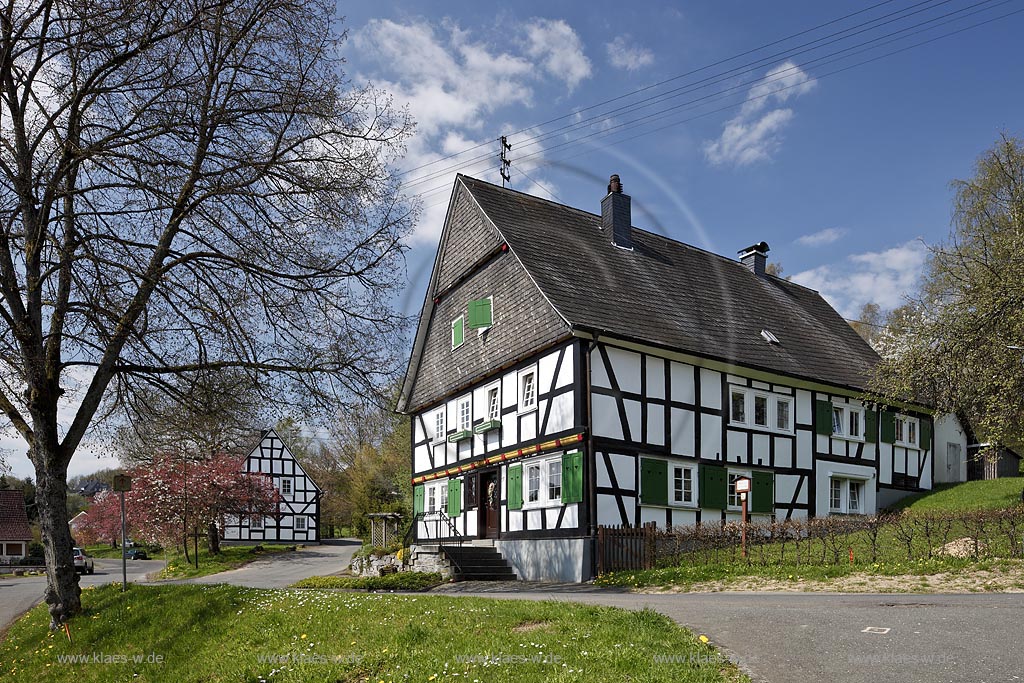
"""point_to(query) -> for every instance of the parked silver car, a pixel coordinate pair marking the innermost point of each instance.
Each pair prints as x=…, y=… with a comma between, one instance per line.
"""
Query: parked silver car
x=83, y=563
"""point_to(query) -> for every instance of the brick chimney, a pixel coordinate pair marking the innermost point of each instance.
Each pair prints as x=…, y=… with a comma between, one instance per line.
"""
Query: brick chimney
x=755, y=257
x=615, y=214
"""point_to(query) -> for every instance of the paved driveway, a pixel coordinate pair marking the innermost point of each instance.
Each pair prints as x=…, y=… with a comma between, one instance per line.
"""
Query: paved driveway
x=283, y=569
x=808, y=637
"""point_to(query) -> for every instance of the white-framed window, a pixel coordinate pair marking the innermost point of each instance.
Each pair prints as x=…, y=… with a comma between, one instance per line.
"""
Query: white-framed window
x=734, y=498
x=458, y=332
x=527, y=390
x=436, y=496
x=286, y=486
x=845, y=496
x=760, y=410
x=543, y=482
x=738, y=406
x=494, y=403
x=256, y=522
x=465, y=412
x=784, y=414
x=848, y=421
x=300, y=523
x=555, y=480
x=439, y=427
x=906, y=430
x=682, y=485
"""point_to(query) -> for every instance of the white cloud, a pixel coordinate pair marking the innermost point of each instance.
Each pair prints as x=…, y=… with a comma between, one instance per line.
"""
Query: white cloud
x=883, y=277
x=559, y=49
x=752, y=136
x=453, y=83
x=822, y=237
x=622, y=55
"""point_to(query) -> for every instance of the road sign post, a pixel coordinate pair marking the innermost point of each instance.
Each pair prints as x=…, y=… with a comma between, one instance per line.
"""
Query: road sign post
x=123, y=483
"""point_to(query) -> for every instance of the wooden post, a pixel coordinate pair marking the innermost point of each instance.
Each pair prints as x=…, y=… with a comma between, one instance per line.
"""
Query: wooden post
x=743, y=526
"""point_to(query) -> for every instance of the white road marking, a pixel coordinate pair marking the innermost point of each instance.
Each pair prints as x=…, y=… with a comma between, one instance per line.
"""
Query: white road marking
x=876, y=629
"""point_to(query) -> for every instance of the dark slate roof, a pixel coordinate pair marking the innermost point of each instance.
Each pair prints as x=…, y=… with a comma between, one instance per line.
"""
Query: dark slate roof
x=671, y=294
x=13, y=518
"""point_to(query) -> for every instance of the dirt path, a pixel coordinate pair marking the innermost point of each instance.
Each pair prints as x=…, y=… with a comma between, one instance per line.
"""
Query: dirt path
x=994, y=580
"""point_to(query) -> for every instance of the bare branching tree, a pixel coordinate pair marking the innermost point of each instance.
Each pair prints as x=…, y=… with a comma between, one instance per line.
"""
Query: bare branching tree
x=185, y=187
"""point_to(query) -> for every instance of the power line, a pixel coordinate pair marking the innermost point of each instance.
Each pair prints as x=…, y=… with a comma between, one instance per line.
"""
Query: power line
x=725, y=93
x=718, y=78
x=660, y=83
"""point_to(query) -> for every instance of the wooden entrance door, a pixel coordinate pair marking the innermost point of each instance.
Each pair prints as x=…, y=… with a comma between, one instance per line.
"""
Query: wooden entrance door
x=489, y=505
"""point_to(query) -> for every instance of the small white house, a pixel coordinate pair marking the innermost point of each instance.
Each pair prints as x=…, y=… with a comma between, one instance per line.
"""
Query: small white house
x=298, y=512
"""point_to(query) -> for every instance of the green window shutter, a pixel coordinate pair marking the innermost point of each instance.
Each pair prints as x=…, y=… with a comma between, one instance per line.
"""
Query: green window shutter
x=454, y=497
x=871, y=425
x=417, y=500
x=458, y=332
x=926, y=434
x=888, y=426
x=762, y=492
x=515, y=487
x=479, y=313
x=572, y=477
x=714, y=487
x=653, y=482
x=823, y=418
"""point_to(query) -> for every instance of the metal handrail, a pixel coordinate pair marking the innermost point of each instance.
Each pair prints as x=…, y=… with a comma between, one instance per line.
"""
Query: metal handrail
x=437, y=518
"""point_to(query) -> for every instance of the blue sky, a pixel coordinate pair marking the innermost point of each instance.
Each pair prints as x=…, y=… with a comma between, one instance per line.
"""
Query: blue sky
x=845, y=175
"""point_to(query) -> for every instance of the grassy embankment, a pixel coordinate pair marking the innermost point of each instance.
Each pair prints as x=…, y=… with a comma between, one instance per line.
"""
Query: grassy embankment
x=225, y=633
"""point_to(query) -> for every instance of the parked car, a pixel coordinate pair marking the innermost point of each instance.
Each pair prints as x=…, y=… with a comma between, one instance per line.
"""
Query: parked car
x=83, y=563
x=137, y=554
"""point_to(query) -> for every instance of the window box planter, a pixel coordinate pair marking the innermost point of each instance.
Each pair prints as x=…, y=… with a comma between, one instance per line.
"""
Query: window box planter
x=460, y=436
x=487, y=426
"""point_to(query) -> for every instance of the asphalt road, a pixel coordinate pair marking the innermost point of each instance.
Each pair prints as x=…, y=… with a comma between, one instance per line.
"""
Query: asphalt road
x=856, y=638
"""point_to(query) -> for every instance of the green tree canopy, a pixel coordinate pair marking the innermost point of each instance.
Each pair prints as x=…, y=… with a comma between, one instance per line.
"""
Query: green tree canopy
x=960, y=344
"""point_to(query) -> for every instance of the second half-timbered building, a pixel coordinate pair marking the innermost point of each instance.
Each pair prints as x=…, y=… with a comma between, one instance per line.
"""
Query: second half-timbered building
x=570, y=370
x=297, y=518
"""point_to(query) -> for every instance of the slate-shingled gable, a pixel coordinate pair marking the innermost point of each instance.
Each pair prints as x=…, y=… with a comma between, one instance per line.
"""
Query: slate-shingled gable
x=672, y=294
x=13, y=517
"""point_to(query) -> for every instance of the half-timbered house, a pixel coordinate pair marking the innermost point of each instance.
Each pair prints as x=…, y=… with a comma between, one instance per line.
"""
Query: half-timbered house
x=570, y=370
x=297, y=519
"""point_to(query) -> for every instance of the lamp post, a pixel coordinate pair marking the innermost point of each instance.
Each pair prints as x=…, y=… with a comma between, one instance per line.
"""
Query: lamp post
x=743, y=488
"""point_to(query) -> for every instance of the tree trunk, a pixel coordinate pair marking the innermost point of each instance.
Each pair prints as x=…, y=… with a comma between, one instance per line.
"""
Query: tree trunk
x=63, y=594
x=213, y=534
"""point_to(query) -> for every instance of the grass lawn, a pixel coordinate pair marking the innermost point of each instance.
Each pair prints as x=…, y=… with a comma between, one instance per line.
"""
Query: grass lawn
x=226, y=633
x=969, y=495
x=230, y=557
x=399, y=581
x=103, y=551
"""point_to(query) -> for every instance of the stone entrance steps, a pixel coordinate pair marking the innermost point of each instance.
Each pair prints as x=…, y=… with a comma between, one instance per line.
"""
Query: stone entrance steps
x=477, y=562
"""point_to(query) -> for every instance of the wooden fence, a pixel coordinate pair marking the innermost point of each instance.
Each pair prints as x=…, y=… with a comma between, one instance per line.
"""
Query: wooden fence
x=621, y=548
